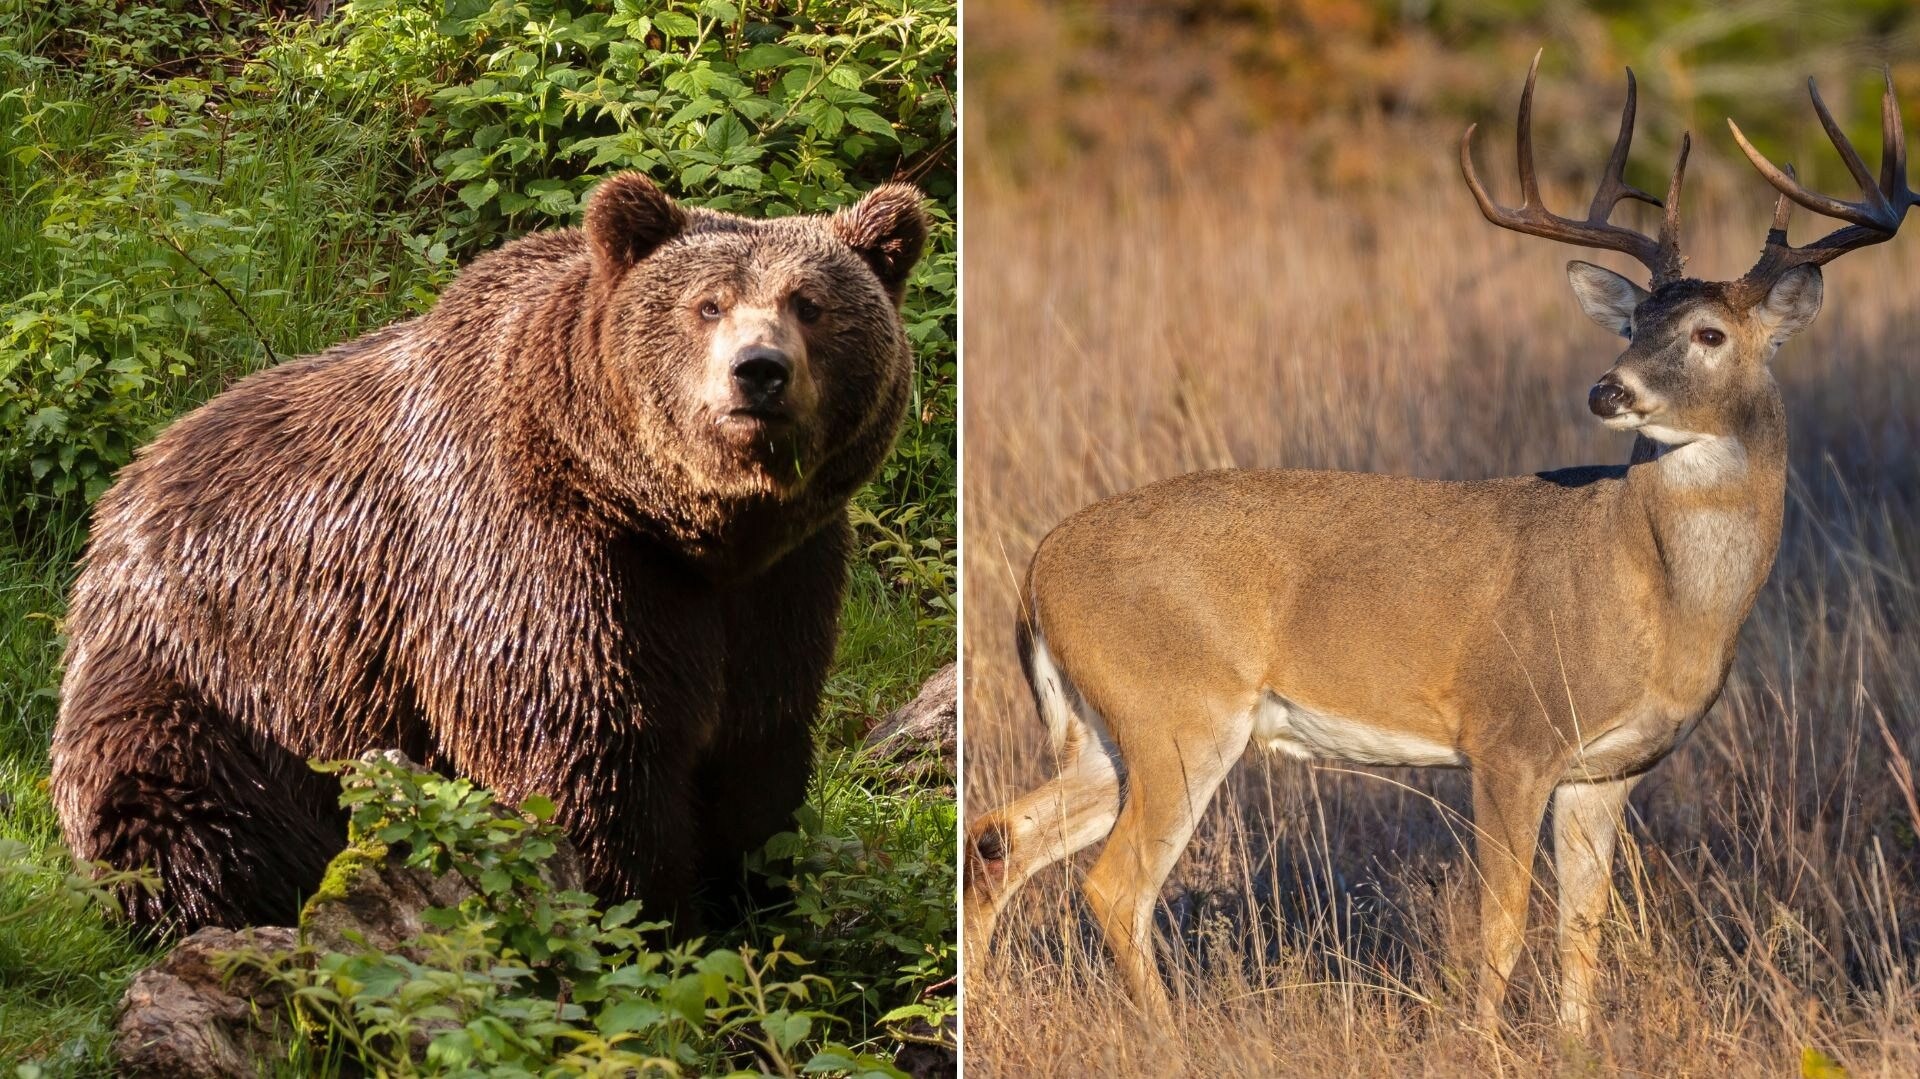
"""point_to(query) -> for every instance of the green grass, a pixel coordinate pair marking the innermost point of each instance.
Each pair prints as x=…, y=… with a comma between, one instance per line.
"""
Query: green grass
x=61, y=965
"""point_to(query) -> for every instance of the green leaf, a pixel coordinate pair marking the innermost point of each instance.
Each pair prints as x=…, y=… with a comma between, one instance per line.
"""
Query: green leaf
x=50, y=420
x=675, y=24
x=727, y=133
x=687, y=999
x=907, y=1011
x=456, y=16
x=762, y=57
x=538, y=806
x=479, y=193
x=620, y=914
x=742, y=176
x=786, y=1030
x=870, y=121
x=628, y=1016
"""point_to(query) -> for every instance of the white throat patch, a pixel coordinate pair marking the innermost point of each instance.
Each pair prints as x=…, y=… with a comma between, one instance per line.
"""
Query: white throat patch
x=1694, y=461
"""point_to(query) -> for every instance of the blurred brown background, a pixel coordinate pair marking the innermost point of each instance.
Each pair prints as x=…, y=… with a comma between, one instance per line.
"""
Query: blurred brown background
x=1235, y=234
x=1352, y=88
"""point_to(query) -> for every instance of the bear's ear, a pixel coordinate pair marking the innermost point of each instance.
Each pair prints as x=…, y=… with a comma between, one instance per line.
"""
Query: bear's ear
x=887, y=228
x=627, y=218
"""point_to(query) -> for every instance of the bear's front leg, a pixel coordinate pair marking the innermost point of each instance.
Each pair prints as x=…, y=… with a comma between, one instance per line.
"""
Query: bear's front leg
x=627, y=802
x=640, y=670
x=782, y=628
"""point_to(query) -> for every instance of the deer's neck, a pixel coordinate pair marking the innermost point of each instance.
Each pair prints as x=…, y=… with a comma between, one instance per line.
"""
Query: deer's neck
x=1715, y=507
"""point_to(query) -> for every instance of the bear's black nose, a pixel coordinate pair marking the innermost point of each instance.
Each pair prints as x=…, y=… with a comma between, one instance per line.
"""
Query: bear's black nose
x=1608, y=398
x=761, y=373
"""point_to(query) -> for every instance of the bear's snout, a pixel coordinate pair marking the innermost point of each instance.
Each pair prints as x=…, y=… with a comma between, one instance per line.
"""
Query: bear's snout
x=761, y=375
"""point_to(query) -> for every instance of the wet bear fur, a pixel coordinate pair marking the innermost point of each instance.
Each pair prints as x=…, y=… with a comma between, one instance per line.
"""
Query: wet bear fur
x=544, y=536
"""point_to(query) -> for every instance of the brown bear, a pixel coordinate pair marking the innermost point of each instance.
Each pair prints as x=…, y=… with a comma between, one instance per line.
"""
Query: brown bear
x=580, y=530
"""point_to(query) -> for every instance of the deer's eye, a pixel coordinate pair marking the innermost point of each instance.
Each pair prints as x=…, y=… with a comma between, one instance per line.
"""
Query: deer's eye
x=1709, y=337
x=709, y=310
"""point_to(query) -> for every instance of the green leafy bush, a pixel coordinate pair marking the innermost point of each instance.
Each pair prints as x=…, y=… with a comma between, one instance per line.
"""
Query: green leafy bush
x=767, y=109
x=164, y=251
x=522, y=978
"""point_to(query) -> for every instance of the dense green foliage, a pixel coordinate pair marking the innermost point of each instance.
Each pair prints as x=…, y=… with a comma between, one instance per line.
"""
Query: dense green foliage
x=193, y=189
x=523, y=977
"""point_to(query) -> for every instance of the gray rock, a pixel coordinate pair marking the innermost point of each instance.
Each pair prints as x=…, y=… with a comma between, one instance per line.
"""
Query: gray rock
x=920, y=735
x=199, y=1014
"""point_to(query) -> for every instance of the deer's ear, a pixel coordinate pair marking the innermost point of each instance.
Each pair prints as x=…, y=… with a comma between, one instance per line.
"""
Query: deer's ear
x=1605, y=296
x=1791, y=303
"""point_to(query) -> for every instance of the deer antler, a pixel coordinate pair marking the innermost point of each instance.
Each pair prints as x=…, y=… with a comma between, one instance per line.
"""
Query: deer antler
x=1661, y=256
x=1875, y=218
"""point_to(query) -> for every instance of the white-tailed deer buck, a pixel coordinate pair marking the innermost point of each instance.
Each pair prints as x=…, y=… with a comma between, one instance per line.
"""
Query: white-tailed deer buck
x=1556, y=634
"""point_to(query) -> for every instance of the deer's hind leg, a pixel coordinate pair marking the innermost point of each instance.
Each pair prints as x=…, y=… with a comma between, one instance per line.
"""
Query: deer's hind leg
x=1068, y=813
x=1175, y=765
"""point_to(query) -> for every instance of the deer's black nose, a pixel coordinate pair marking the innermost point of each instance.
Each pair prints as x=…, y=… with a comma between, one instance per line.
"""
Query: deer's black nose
x=1609, y=398
x=762, y=373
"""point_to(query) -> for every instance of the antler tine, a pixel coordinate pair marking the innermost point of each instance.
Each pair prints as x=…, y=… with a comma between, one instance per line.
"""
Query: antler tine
x=1489, y=209
x=1662, y=256
x=1613, y=184
x=1778, y=256
x=1893, y=149
x=1523, y=140
x=1670, y=221
x=1883, y=203
x=1847, y=153
x=1874, y=219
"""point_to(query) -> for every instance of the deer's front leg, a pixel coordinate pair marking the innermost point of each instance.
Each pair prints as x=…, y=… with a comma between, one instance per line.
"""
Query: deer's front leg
x=1586, y=820
x=1508, y=805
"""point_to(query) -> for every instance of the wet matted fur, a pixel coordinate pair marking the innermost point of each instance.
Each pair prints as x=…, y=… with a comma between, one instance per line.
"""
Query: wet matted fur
x=532, y=537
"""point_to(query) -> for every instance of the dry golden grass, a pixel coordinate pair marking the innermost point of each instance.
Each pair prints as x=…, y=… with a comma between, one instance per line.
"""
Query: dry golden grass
x=1183, y=308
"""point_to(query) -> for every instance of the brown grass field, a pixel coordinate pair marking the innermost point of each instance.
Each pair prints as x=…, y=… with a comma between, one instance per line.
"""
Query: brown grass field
x=1179, y=306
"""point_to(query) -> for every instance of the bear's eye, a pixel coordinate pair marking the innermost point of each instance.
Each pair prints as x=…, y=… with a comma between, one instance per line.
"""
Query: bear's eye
x=806, y=309
x=709, y=310
x=1709, y=336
